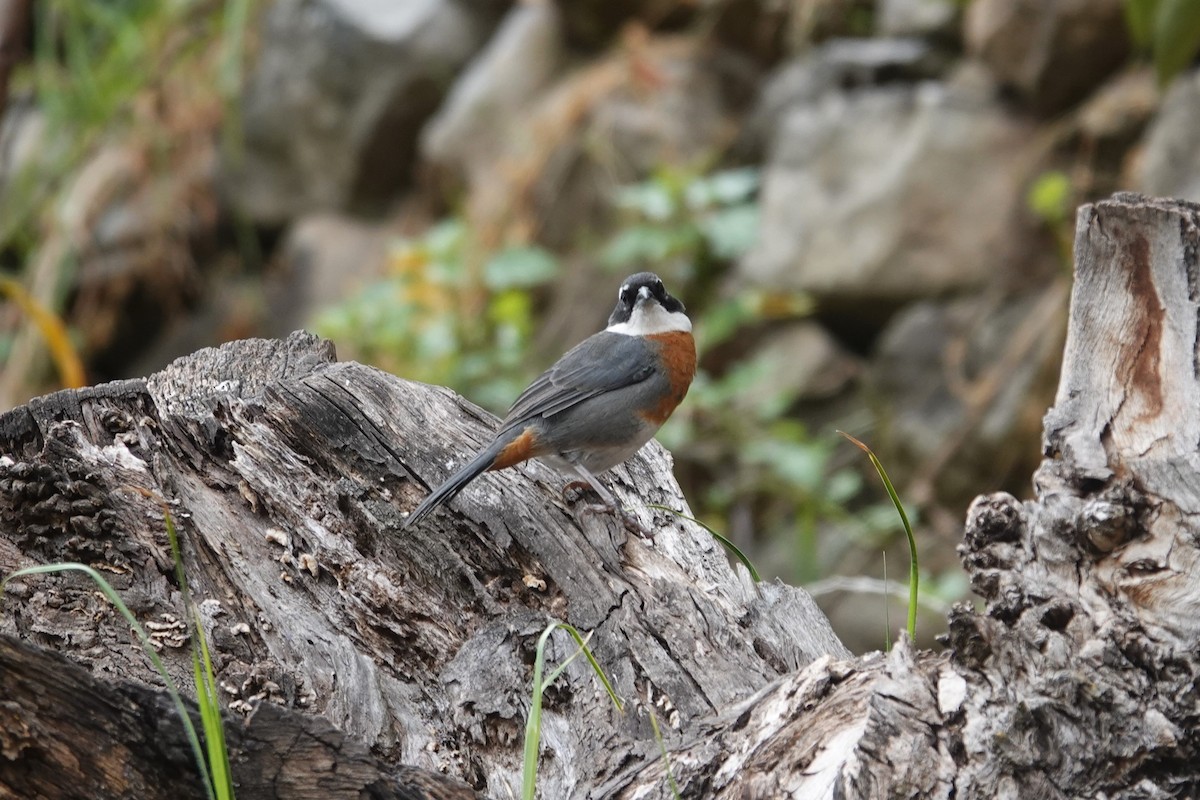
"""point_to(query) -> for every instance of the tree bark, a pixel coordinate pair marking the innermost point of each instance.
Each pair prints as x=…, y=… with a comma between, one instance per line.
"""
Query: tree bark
x=288, y=475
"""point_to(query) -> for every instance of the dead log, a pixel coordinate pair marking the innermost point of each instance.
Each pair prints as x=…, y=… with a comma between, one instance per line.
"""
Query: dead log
x=67, y=734
x=288, y=475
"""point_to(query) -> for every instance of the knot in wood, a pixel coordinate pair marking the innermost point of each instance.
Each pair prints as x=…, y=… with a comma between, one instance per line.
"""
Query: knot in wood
x=992, y=519
x=1107, y=524
x=968, y=636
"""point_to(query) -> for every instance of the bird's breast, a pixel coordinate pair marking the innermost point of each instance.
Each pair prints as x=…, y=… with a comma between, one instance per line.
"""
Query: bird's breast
x=677, y=357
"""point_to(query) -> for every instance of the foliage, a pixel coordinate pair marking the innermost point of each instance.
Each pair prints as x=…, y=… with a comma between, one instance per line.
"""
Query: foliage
x=125, y=71
x=218, y=775
x=767, y=464
x=685, y=224
x=1168, y=29
x=448, y=315
x=89, y=72
x=1052, y=199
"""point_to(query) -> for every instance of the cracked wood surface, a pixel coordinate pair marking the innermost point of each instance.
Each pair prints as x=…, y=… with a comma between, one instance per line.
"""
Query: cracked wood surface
x=1079, y=678
x=289, y=474
x=65, y=734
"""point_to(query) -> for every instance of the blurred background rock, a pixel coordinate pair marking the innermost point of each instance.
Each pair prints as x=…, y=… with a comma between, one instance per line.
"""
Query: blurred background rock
x=866, y=204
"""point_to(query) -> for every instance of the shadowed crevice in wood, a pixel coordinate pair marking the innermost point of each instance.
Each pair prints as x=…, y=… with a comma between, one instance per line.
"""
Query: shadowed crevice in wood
x=289, y=476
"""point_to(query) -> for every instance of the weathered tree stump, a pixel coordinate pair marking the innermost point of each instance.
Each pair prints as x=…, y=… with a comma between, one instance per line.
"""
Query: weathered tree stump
x=288, y=475
x=348, y=647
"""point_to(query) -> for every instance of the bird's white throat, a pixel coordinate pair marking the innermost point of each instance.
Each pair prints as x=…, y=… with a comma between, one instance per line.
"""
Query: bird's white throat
x=651, y=318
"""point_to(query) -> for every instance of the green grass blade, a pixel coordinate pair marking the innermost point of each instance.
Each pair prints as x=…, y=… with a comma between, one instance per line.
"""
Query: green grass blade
x=210, y=713
x=561, y=668
x=725, y=542
x=533, y=725
x=913, y=575
x=114, y=598
x=205, y=678
x=582, y=642
x=662, y=746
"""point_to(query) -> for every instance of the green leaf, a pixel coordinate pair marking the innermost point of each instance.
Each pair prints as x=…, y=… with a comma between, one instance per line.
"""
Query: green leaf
x=800, y=464
x=1176, y=37
x=731, y=233
x=640, y=243
x=519, y=267
x=1139, y=18
x=1050, y=196
x=512, y=308
x=843, y=486
x=723, y=320
x=734, y=185
x=444, y=242
x=652, y=199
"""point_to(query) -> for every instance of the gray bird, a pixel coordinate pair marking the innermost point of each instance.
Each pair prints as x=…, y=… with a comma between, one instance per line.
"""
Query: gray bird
x=601, y=401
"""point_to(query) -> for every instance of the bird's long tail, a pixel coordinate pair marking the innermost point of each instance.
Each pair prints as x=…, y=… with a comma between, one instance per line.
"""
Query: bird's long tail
x=454, y=484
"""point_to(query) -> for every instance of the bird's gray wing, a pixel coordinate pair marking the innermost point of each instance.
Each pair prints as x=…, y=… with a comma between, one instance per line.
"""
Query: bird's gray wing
x=600, y=363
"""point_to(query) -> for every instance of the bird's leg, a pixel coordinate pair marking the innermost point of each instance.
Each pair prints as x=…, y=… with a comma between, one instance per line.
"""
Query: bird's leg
x=598, y=487
x=610, y=502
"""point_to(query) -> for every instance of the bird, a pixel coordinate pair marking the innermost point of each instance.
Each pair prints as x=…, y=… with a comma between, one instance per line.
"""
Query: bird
x=598, y=404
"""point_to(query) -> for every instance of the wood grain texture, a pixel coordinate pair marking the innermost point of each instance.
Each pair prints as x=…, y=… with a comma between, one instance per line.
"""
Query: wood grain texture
x=65, y=734
x=289, y=475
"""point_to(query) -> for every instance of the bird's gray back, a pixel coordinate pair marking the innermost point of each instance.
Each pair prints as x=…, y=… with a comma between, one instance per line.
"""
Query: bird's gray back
x=602, y=363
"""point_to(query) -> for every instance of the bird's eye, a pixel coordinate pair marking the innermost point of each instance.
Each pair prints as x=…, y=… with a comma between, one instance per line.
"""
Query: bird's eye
x=659, y=286
x=624, y=295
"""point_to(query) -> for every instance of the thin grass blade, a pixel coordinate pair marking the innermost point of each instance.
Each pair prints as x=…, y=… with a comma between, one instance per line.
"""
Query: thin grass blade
x=54, y=333
x=662, y=746
x=533, y=725
x=913, y=575
x=172, y=690
x=720, y=537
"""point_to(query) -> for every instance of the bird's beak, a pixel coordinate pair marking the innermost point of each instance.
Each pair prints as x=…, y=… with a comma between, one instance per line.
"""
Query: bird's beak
x=644, y=293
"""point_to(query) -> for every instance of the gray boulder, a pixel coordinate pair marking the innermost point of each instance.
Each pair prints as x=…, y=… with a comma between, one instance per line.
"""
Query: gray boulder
x=961, y=384
x=324, y=259
x=490, y=101
x=334, y=105
x=889, y=194
x=1052, y=52
x=1170, y=161
x=916, y=17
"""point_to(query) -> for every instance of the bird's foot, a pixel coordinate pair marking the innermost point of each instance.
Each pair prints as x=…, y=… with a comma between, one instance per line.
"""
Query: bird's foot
x=575, y=491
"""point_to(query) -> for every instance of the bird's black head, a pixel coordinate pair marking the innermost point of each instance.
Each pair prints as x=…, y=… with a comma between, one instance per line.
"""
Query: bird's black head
x=642, y=288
